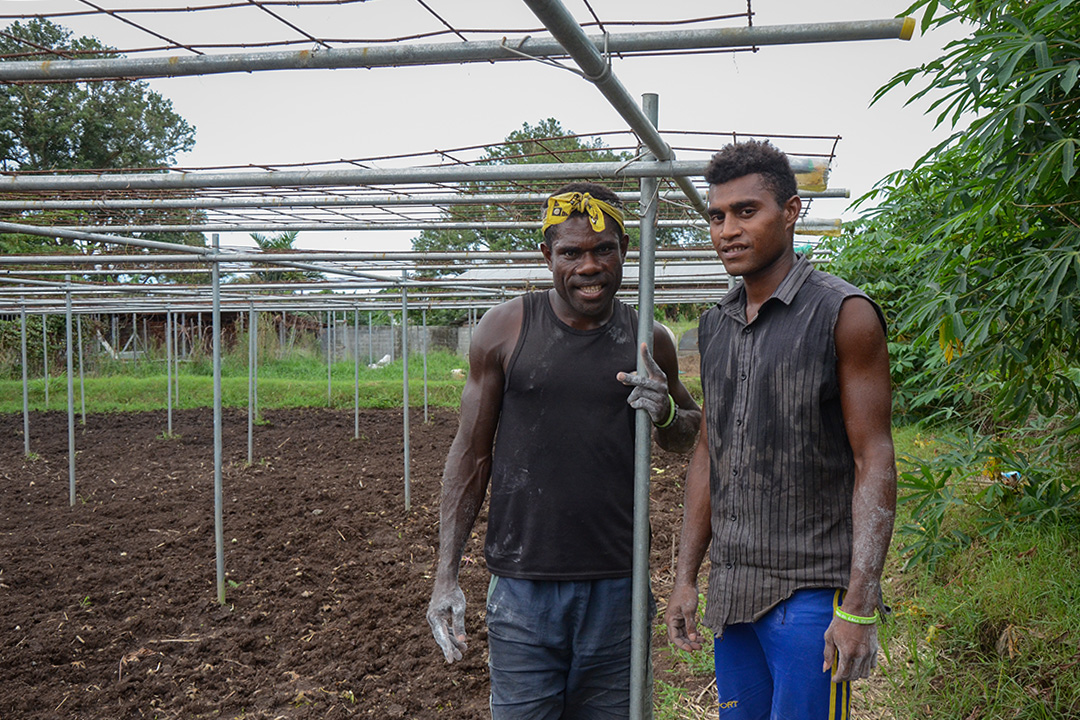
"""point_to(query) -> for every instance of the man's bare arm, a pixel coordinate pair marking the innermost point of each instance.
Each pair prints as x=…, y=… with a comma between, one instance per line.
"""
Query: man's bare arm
x=866, y=399
x=467, y=471
x=694, y=539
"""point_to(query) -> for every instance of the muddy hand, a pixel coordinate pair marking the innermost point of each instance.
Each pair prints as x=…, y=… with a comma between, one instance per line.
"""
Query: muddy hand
x=850, y=650
x=650, y=393
x=681, y=617
x=446, y=616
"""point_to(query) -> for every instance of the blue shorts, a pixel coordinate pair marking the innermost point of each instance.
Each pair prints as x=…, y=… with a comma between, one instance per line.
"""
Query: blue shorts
x=771, y=669
x=559, y=649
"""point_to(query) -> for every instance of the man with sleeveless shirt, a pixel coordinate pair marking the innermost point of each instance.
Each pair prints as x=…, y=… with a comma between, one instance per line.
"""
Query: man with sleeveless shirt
x=547, y=416
x=793, y=480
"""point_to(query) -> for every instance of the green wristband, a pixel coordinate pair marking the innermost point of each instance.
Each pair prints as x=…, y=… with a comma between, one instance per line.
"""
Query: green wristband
x=857, y=619
x=674, y=413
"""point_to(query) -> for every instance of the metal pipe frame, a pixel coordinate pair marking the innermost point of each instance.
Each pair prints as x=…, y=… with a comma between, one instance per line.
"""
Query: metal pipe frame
x=806, y=226
x=208, y=203
x=406, y=54
x=376, y=176
x=640, y=691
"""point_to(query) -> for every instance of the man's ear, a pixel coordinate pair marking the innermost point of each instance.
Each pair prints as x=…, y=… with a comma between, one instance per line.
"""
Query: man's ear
x=546, y=250
x=792, y=210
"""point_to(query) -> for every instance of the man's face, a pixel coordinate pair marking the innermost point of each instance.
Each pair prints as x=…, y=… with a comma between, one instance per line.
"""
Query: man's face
x=587, y=269
x=750, y=231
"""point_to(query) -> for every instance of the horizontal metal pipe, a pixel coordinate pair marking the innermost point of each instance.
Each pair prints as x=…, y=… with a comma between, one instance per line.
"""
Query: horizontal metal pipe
x=359, y=201
x=403, y=54
x=374, y=176
x=6, y=227
x=804, y=226
x=320, y=256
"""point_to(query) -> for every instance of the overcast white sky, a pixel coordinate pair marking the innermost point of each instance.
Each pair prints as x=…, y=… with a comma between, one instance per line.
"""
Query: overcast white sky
x=293, y=116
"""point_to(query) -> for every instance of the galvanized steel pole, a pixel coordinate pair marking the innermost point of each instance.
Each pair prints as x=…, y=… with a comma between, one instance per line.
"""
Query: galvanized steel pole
x=45, y=355
x=423, y=317
x=640, y=689
x=168, y=366
x=356, y=373
x=405, y=54
x=70, y=392
x=25, y=384
x=361, y=176
x=329, y=363
x=405, y=383
x=252, y=372
x=176, y=360
x=358, y=201
x=219, y=533
x=82, y=379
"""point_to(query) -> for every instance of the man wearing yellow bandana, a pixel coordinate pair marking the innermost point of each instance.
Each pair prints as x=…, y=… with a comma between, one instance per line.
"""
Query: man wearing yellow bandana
x=547, y=420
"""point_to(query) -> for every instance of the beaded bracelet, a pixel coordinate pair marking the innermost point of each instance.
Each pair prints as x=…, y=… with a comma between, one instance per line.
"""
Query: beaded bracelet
x=671, y=415
x=857, y=619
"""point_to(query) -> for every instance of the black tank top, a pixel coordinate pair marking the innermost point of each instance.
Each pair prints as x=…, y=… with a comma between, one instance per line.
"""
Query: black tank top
x=562, y=478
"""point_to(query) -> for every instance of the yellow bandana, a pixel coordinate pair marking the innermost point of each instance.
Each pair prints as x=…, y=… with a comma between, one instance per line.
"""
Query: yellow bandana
x=560, y=207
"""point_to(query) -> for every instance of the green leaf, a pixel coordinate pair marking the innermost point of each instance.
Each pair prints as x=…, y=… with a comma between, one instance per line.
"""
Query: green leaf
x=1068, y=78
x=1069, y=149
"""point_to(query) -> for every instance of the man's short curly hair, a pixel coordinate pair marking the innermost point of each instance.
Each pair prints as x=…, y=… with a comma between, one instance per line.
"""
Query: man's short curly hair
x=754, y=157
x=598, y=191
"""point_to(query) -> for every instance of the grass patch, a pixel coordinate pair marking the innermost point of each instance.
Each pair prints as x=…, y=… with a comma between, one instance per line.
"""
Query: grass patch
x=988, y=631
x=289, y=383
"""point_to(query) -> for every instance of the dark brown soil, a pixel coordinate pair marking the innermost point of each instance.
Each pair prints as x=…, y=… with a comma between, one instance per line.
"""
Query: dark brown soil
x=109, y=609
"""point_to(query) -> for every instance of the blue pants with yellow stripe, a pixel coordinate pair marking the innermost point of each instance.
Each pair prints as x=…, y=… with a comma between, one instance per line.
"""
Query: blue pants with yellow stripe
x=771, y=669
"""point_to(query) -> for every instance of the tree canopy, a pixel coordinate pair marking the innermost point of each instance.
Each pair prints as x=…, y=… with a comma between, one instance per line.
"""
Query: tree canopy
x=975, y=251
x=82, y=125
x=108, y=125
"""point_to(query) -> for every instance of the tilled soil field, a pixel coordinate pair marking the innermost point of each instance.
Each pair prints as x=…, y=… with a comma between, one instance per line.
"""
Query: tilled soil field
x=109, y=609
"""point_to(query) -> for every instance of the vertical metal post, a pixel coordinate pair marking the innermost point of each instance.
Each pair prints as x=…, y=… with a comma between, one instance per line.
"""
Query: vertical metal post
x=641, y=702
x=45, y=354
x=423, y=315
x=329, y=364
x=146, y=339
x=405, y=381
x=281, y=336
x=135, y=338
x=252, y=371
x=356, y=373
x=370, y=339
x=25, y=384
x=219, y=533
x=176, y=360
x=70, y=391
x=82, y=379
x=168, y=366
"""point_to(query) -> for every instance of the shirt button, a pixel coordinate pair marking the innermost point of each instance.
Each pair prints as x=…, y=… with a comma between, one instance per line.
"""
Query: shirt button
x=747, y=330
x=734, y=472
x=729, y=566
x=734, y=517
x=742, y=376
x=738, y=422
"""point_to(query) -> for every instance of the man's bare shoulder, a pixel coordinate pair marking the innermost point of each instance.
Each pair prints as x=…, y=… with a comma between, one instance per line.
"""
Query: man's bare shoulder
x=497, y=334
